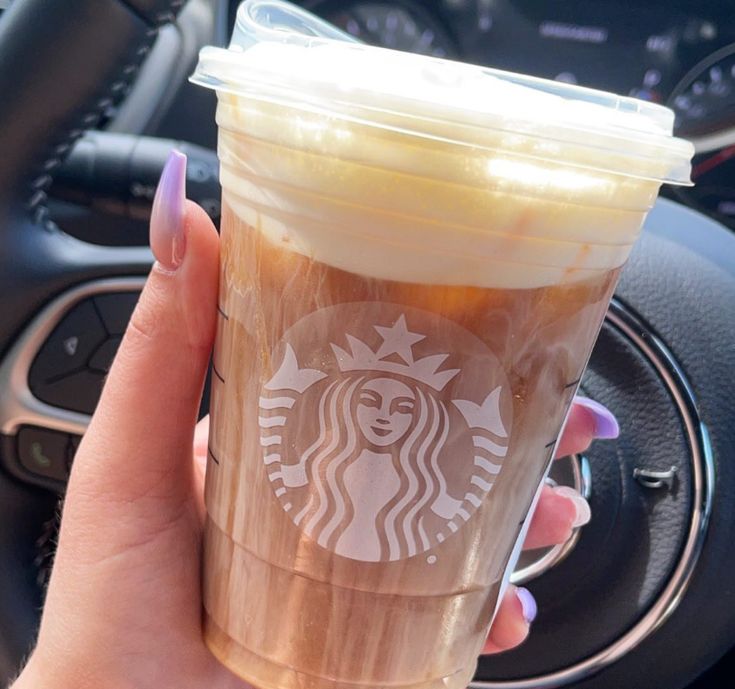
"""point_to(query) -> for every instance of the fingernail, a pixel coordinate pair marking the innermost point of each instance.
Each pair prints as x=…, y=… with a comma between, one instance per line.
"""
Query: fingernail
x=583, y=513
x=168, y=241
x=606, y=425
x=528, y=604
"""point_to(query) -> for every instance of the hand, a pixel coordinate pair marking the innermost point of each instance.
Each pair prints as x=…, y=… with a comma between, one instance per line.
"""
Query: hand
x=123, y=607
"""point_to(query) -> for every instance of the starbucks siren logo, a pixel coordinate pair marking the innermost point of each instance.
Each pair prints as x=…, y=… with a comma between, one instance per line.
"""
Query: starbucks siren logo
x=373, y=448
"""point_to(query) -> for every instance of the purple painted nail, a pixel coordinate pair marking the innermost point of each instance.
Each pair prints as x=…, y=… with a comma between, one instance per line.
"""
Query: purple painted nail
x=168, y=241
x=528, y=604
x=606, y=425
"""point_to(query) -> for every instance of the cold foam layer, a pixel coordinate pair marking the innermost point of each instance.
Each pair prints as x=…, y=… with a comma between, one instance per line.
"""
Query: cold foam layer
x=483, y=200
x=382, y=205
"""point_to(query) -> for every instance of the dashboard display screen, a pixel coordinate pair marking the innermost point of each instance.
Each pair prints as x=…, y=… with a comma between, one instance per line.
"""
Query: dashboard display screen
x=640, y=51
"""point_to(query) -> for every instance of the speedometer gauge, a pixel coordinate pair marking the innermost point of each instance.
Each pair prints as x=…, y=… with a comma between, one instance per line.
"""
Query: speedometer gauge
x=704, y=100
x=704, y=103
x=713, y=192
x=403, y=25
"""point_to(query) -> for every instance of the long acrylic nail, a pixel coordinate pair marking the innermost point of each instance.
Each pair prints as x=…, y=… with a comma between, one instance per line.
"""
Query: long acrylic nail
x=581, y=507
x=528, y=604
x=168, y=240
x=605, y=424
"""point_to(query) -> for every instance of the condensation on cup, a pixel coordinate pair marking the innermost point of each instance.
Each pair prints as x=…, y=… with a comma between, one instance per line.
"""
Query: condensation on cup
x=417, y=256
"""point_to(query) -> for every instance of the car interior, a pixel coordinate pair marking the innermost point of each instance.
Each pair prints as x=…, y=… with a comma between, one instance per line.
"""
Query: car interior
x=94, y=94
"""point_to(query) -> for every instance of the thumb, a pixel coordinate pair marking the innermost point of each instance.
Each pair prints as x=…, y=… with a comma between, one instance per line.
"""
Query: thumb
x=140, y=438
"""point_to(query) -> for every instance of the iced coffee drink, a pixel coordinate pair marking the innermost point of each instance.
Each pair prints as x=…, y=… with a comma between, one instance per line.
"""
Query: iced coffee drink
x=417, y=256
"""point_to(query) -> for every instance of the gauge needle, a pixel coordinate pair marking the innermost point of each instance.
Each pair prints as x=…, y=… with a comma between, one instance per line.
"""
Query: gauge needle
x=713, y=161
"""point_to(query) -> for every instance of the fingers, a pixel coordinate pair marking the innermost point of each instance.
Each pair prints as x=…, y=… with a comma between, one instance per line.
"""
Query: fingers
x=512, y=622
x=559, y=511
x=562, y=509
x=140, y=438
x=587, y=421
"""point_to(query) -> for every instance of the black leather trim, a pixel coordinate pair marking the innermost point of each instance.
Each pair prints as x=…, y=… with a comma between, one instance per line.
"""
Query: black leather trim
x=63, y=62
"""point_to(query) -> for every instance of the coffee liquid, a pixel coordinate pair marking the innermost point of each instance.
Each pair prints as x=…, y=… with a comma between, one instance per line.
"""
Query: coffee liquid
x=375, y=447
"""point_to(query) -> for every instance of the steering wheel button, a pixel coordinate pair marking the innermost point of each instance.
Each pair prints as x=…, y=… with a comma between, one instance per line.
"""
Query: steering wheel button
x=104, y=354
x=116, y=309
x=44, y=452
x=69, y=346
x=77, y=391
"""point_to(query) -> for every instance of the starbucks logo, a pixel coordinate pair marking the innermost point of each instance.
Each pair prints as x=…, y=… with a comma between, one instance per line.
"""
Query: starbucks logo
x=383, y=428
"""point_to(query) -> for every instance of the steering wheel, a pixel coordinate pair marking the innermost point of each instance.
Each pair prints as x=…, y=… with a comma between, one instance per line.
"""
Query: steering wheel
x=643, y=589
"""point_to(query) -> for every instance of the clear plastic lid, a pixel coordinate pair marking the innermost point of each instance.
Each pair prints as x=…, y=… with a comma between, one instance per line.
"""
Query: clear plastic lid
x=281, y=53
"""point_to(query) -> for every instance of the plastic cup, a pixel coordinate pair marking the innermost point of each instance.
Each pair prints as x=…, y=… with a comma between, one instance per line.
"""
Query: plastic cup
x=417, y=256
